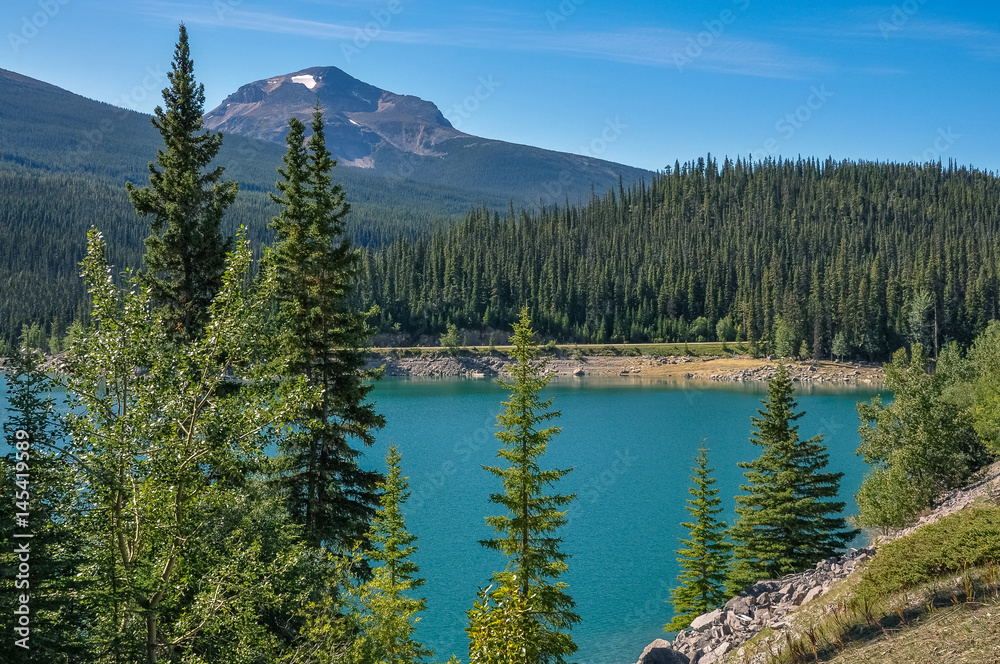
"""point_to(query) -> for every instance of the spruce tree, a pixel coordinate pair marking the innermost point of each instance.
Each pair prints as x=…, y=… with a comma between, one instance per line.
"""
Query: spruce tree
x=185, y=201
x=388, y=611
x=786, y=521
x=526, y=531
x=705, y=556
x=323, y=336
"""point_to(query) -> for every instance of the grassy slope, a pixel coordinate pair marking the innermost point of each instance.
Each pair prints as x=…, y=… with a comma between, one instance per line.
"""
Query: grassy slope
x=932, y=596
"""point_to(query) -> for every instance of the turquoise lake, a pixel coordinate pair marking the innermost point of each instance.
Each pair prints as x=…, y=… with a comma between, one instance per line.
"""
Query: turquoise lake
x=631, y=443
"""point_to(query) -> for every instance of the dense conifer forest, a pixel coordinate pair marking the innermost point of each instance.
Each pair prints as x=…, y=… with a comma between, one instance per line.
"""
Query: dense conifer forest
x=851, y=258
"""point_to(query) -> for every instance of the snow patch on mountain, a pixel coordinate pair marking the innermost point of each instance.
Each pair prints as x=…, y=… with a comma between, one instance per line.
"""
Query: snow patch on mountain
x=306, y=80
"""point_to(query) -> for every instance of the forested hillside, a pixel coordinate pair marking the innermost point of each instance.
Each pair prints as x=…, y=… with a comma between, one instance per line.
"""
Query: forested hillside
x=64, y=161
x=849, y=258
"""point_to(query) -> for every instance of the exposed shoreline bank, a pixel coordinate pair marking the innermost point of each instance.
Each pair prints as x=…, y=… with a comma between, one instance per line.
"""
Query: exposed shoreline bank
x=728, y=368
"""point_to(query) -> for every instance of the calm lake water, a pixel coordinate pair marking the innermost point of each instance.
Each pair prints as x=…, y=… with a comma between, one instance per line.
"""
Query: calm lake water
x=631, y=444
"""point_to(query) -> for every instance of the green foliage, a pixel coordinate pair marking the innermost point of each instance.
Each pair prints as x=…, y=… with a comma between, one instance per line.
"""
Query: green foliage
x=38, y=483
x=527, y=529
x=184, y=551
x=322, y=335
x=985, y=358
x=840, y=348
x=783, y=341
x=502, y=626
x=185, y=201
x=921, y=444
x=918, y=319
x=707, y=241
x=54, y=343
x=969, y=538
x=705, y=556
x=73, y=334
x=887, y=499
x=700, y=330
x=785, y=522
x=33, y=337
x=387, y=612
x=725, y=330
x=803, y=350
x=450, y=339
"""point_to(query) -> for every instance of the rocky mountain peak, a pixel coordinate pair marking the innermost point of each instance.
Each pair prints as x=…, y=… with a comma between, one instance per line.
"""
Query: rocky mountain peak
x=360, y=118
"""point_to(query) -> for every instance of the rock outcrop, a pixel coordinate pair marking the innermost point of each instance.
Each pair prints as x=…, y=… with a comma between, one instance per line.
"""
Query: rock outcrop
x=442, y=365
x=769, y=603
x=805, y=373
x=764, y=604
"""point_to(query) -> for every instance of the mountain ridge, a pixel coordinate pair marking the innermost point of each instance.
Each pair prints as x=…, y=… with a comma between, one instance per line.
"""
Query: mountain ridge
x=406, y=136
x=358, y=116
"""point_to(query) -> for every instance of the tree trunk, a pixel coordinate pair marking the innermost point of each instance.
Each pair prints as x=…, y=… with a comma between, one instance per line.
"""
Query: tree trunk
x=151, y=636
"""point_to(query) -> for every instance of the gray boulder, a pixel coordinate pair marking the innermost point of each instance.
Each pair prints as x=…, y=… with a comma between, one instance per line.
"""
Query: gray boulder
x=660, y=652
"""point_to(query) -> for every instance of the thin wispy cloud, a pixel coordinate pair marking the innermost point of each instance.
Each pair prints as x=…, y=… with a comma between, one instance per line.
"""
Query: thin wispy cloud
x=975, y=39
x=654, y=47
x=684, y=50
x=891, y=24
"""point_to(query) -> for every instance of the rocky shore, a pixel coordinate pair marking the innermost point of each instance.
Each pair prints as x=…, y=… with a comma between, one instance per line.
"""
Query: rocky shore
x=769, y=604
x=721, y=369
x=766, y=604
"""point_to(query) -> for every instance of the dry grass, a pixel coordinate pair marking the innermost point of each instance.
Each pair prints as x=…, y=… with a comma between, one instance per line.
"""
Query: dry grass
x=967, y=632
x=936, y=623
x=948, y=617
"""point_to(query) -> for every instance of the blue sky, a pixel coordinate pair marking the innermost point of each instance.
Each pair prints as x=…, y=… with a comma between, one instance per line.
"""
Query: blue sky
x=643, y=83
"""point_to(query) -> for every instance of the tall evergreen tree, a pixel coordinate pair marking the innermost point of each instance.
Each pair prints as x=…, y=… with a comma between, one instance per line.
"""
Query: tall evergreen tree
x=388, y=611
x=705, y=556
x=786, y=522
x=323, y=335
x=185, y=200
x=526, y=532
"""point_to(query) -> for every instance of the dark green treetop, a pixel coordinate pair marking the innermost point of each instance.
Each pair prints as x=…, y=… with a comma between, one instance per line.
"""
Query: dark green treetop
x=526, y=533
x=185, y=201
x=322, y=335
x=786, y=521
x=389, y=612
x=705, y=556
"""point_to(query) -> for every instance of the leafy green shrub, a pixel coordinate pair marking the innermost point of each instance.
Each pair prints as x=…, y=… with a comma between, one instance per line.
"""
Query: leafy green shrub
x=969, y=538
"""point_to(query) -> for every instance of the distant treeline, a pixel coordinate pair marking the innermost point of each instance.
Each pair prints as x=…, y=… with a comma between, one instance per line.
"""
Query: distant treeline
x=855, y=258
